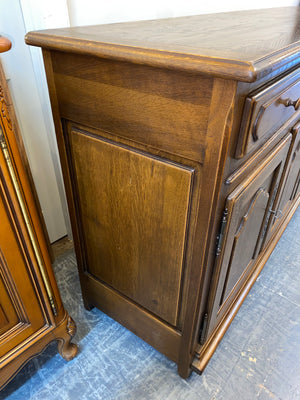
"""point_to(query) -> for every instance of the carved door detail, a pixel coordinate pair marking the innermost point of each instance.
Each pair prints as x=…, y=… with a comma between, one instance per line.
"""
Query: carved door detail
x=290, y=188
x=248, y=209
x=245, y=239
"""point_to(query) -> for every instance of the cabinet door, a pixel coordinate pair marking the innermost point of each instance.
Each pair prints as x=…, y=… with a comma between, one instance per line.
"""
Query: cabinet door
x=291, y=183
x=21, y=315
x=245, y=218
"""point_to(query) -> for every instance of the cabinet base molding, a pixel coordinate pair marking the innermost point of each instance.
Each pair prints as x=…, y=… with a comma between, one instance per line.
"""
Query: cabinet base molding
x=63, y=333
x=67, y=349
x=159, y=335
x=204, y=354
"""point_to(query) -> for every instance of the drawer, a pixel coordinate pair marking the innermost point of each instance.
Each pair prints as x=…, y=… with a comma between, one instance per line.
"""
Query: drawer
x=266, y=110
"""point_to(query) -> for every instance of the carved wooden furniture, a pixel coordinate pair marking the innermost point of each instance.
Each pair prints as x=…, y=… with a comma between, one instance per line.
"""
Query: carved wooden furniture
x=31, y=311
x=179, y=141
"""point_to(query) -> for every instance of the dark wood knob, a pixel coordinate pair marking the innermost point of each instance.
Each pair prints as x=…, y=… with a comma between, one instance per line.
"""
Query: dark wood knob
x=5, y=44
x=291, y=103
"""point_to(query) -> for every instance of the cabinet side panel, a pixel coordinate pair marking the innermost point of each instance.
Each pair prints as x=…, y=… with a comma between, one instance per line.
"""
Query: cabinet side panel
x=164, y=109
x=134, y=210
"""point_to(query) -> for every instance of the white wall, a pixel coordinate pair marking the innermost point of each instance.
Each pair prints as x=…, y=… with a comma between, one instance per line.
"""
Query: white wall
x=45, y=14
x=88, y=12
x=37, y=131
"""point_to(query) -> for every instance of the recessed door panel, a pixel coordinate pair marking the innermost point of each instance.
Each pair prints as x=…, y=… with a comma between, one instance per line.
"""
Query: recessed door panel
x=290, y=188
x=245, y=238
x=247, y=213
x=134, y=209
x=20, y=311
x=8, y=315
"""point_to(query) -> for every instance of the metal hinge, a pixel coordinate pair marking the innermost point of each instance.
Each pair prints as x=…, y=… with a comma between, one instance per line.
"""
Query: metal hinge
x=203, y=329
x=220, y=236
x=270, y=212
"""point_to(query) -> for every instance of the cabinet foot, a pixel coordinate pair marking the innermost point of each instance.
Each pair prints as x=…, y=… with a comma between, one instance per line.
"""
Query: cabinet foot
x=67, y=349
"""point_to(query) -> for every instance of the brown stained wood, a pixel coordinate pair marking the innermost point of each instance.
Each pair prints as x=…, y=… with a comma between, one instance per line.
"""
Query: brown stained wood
x=32, y=313
x=250, y=225
x=135, y=230
x=292, y=184
x=164, y=110
x=19, y=299
x=10, y=125
x=265, y=111
x=217, y=137
x=256, y=159
x=5, y=44
x=23, y=297
x=3, y=318
x=224, y=44
x=62, y=333
x=288, y=191
x=236, y=260
x=8, y=314
x=205, y=353
x=154, y=147
x=164, y=338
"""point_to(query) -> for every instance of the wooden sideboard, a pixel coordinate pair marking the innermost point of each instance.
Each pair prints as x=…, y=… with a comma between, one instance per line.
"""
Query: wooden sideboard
x=180, y=147
x=31, y=311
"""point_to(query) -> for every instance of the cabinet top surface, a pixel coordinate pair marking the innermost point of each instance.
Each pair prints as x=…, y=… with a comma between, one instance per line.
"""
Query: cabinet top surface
x=244, y=45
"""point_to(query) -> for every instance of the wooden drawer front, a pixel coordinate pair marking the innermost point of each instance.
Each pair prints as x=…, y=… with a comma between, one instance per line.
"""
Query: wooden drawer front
x=247, y=212
x=267, y=110
x=164, y=109
x=133, y=216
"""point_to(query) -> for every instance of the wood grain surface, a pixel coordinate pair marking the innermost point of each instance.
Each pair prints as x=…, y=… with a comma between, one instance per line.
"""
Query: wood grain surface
x=31, y=312
x=164, y=109
x=134, y=211
x=148, y=132
x=243, y=45
x=5, y=44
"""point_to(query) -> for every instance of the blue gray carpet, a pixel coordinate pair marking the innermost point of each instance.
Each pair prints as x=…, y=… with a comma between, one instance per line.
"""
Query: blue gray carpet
x=259, y=357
